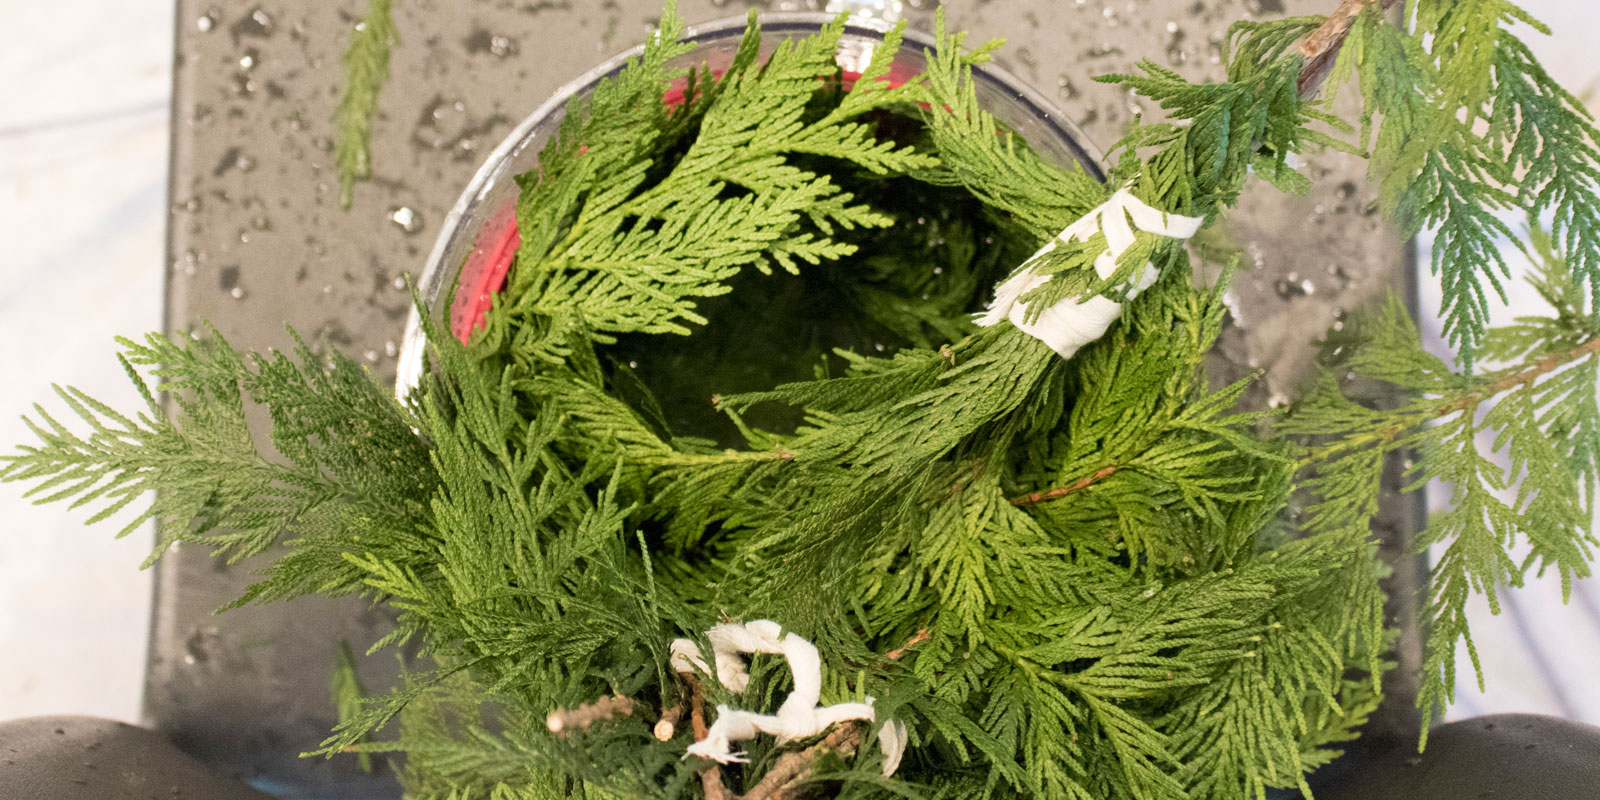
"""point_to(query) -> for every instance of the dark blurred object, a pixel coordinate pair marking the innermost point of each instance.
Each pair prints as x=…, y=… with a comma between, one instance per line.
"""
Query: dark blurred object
x=84, y=758
x=1502, y=756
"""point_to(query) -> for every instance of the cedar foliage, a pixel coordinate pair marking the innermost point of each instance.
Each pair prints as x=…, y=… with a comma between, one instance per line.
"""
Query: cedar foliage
x=1069, y=579
x=366, y=66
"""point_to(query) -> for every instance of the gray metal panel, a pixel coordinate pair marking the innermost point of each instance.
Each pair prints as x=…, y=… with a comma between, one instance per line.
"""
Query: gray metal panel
x=257, y=240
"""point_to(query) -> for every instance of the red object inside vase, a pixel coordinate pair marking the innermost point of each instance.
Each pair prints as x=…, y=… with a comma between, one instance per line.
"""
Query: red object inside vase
x=484, y=274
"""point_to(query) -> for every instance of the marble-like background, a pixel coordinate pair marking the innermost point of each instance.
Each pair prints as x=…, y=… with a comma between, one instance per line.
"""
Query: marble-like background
x=83, y=171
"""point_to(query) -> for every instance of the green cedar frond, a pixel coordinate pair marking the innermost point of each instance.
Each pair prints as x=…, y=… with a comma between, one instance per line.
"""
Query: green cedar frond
x=1538, y=412
x=995, y=165
x=348, y=693
x=366, y=68
x=1523, y=142
x=349, y=450
x=600, y=234
x=1069, y=579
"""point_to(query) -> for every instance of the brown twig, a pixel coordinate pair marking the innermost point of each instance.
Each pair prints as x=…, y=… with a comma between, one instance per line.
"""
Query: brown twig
x=667, y=726
x=1321, y=46
x=918, y=638
x=710, y=775
x=795, y=767
x=606, y=708
x=1418, y=417
x=1522, y=378
x=1062, y=491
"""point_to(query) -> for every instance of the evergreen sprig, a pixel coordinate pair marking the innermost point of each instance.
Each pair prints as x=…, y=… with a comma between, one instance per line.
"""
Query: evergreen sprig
x=1538, y=412
x=1068, y=579
x=366, y=65
x=350, y=461
x=1469, y=124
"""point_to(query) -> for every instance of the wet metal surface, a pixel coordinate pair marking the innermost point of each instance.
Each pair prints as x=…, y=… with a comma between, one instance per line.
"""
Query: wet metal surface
x=257, y=240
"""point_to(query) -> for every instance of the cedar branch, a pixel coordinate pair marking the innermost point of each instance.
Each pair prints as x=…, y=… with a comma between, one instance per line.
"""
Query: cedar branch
x=795, y=767
x=1320, y=49
x=1062, y=491
x=710, y=775
x=919, y=637
x=1523, y=377
x=606, y=708
x=667, y=726
x=1321, y=46
x=1420, y=415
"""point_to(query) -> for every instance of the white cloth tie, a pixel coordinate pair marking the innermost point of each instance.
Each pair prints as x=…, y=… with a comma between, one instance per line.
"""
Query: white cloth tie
x=798, y=717
x=1071, y=324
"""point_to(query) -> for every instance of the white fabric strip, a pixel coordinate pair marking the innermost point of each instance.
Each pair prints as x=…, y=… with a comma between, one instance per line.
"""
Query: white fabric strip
x=1071, y=324
x=798, y=717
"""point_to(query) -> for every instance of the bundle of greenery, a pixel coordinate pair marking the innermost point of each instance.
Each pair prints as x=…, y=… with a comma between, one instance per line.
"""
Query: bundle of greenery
x=907, y=550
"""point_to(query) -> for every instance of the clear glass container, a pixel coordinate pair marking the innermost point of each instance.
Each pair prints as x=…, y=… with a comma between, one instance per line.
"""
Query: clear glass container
x=478, y=237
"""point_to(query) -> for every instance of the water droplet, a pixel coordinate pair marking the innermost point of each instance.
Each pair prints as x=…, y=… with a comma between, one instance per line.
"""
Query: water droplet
x=408, y=219
x=1291, y=286
x=371, y=356
x=443, y=124
x=248, y=61
x=1066, y=89
x=236, y=293
x=391, y=349
x=399, y=283
x=207, y=21
x=482, y=41
x=1151, y=592
x=256, y=25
